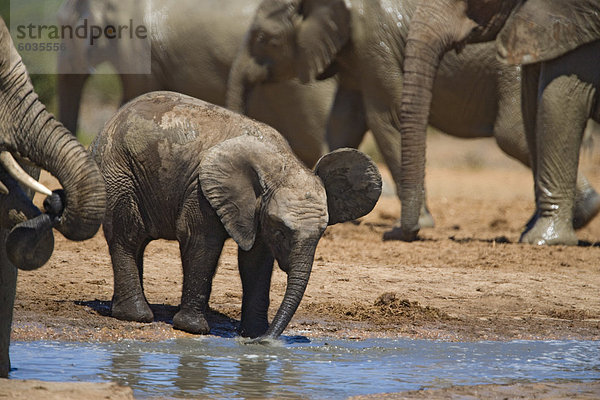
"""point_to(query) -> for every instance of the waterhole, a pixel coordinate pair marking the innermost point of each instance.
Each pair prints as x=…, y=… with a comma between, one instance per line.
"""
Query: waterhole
x=226, y=368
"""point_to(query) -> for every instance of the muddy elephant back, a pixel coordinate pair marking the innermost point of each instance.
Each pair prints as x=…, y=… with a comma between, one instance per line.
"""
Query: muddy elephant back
x=168, y=123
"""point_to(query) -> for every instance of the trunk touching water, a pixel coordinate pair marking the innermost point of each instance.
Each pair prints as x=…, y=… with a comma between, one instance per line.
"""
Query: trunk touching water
x=301, y=260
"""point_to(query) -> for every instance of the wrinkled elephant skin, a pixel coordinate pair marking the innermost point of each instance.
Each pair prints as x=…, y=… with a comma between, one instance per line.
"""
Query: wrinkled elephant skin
x=179, y=168
x=557, y=44
x=194, y=58
x=363, y=43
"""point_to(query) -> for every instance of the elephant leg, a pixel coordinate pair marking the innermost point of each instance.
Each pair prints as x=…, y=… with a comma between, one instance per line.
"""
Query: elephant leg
x=388, y=142
x=347, y=121
x=70, y=89
x=510, y=136
x=129, y=302
x=135, y=84
x=8, y=283
x=563, y=109
x=199, y=258
x=587, y=202
x=510, y=127
x=256, y=267
x=509, y=130
x=530, y=77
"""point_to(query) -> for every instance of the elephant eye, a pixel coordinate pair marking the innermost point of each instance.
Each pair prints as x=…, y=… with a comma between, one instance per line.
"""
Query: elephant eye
x=260, y=37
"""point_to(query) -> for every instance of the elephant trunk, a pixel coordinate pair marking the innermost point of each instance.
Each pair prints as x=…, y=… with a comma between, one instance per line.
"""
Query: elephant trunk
x=426, y=45
x=245, y=73
x=70, y=89
x=422, y=58
x=48, y=144
x=301, y=260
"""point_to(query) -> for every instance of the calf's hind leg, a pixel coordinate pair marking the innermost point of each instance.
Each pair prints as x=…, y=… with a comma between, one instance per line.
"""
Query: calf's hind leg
x=129, y=302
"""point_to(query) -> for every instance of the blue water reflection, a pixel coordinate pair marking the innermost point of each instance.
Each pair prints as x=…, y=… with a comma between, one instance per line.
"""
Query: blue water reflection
x=225, y=368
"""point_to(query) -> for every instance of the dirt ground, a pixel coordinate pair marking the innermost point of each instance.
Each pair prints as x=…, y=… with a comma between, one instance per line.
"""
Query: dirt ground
x=466, y=279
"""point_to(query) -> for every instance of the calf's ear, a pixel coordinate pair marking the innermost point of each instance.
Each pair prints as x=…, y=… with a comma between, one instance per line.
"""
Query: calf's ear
x=352, y=182
x=234, y=175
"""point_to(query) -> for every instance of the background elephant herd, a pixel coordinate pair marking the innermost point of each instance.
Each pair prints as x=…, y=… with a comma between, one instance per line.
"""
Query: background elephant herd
x=322, y=73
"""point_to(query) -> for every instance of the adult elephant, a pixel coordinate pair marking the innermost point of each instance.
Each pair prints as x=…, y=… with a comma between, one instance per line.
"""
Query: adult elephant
x=363, y=42
x=193, y=45
x=32, y=133
x=557, y=41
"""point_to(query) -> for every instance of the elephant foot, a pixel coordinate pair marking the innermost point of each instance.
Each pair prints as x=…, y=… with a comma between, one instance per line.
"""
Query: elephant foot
x=426, y=220
x=587, y=206
x=550, y=231
x=398, y=234
x=4, y=369
x=254, y=330
x=132, y=310
x=190, y=321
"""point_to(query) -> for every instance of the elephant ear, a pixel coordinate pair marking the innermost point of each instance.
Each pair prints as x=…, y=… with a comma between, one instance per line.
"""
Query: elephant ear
x=352, y=182
x=233, y=178
x=321, y=35
x=545, y=29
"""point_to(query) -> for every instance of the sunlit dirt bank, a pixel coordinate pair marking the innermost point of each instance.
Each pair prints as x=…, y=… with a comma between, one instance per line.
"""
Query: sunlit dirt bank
x=466, y=279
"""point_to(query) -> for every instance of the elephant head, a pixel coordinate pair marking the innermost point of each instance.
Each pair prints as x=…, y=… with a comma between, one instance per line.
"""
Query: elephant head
x=79, y=58
x=526, y=31
x=287, y=39
x=29, y=131
x=256, y=188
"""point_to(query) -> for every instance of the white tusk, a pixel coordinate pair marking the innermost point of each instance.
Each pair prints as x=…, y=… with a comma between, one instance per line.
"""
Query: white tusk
x=3, y=189
x=15, y=170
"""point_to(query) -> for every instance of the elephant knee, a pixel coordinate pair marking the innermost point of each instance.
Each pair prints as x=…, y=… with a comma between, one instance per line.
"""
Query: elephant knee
x=566, y=100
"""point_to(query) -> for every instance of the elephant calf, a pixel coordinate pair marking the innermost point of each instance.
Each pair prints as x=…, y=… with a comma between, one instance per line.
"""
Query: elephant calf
x=182, y=169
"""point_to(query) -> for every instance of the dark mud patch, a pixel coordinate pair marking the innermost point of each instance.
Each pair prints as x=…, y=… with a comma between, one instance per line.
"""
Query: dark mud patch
x=387, y=309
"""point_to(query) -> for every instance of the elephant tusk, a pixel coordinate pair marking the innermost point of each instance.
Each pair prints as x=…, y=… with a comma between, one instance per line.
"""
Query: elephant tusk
x=3, y=189
x=15, y=170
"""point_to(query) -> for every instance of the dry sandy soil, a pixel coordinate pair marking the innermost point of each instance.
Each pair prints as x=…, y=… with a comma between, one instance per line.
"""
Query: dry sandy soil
x=466, y=279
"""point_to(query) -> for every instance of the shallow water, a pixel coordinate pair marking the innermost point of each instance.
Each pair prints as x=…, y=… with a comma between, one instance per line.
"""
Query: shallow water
x=226, y=368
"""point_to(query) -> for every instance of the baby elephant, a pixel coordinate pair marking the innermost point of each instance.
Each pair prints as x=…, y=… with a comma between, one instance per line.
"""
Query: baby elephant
x=181, y=169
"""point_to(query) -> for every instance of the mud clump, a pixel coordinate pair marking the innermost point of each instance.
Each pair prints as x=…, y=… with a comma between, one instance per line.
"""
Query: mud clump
x=570, y=315
x=388, y=305
x=387, y=308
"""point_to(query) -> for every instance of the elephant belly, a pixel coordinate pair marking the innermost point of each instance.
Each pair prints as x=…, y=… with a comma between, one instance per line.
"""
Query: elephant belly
x=466, y=92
